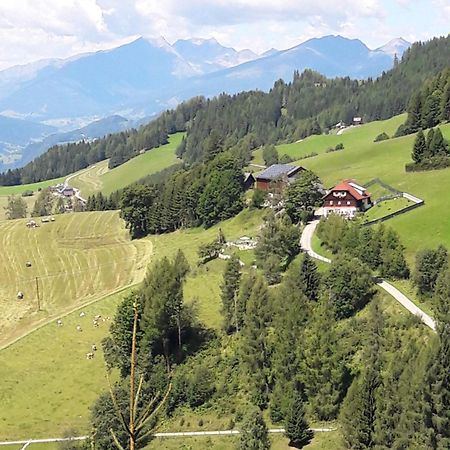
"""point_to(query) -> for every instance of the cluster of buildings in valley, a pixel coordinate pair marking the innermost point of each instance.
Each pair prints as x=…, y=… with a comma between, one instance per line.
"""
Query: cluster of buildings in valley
x=346, y=198
x=69, y=194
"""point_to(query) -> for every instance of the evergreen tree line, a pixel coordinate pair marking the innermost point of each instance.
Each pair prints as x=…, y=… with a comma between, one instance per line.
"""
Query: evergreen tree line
x=101, y=202
x=378, y=247
x=429, y=105
x=429, y=153
x=203, y=195
x=310, y=104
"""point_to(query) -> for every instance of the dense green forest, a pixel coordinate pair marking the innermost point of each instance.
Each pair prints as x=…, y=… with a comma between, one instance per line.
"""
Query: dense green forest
x=309, y=104
x=384, y=377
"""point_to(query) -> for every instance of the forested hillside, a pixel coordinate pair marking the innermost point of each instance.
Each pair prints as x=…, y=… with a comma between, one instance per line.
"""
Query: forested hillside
x=309, y=104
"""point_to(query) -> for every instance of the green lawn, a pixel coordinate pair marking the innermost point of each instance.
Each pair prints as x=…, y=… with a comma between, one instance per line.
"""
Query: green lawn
x=385, y=208
x=99, y=178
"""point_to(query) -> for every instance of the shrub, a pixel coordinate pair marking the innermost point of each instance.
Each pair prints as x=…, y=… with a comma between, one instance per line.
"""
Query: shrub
x=381, y=137
x=285, y=159
x=27, y=193
x=337, y=148
x=434, y=163
x=308, y=155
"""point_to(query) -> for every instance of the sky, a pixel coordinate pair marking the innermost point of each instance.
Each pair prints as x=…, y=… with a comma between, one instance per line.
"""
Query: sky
x=32, y=30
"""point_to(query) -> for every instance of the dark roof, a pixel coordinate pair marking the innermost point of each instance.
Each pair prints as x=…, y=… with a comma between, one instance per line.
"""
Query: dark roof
x=277, y=171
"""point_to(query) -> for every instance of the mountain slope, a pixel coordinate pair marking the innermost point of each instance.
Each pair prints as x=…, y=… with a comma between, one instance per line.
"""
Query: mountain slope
x=103, y=82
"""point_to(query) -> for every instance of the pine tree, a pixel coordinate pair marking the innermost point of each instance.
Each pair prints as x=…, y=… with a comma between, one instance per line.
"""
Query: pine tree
x=445, y=107
x=162, y=295
x=437, y=393
x=414, y=112
x=229, y=294
x=254, y=433
x=181, y=264
x=429, y=263
x=325, y=374
x=309, y=278
x=359, y=412
x=16, y=208
x=296, y=425
x=438, y=146
x=255, y=343
x=420, y=147
x=430, y=144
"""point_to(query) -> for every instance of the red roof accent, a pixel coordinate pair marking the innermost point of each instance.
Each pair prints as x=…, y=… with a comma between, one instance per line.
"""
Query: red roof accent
x=345, y=186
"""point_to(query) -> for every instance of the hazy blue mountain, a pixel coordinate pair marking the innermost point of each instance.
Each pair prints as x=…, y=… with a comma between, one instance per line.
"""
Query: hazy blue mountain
x=330, y=55
x=19, y=131
x=102, y=83
x=395, y=47
x=207, y=55
x=96, y=129
x=270, y=52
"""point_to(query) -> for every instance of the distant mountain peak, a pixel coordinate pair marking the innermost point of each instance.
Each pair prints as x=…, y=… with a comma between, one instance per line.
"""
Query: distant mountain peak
x=396, y=46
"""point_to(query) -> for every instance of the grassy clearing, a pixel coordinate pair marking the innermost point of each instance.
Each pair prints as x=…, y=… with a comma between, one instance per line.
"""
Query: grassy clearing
x=99, y=178
x=48, y=384
x=203, y=284
x=363, y=160
x=15, y=190
x=77, y=259
x=385, y=208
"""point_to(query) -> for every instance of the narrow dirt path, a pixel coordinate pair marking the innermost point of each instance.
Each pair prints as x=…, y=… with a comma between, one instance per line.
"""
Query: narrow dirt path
x=305, y=243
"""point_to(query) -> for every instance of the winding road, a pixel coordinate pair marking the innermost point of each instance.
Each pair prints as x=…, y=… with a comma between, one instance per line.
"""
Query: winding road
x=305, y=243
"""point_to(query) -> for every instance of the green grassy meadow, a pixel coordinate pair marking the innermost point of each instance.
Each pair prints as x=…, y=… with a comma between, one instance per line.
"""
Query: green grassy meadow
x=362, y=160
x=99, y=178
x=47, y=383
x=17, y=190
x=76, y=259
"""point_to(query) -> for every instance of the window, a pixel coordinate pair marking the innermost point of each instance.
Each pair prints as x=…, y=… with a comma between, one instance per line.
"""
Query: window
x=339, y=202
x=331, y=202
x=348, y=203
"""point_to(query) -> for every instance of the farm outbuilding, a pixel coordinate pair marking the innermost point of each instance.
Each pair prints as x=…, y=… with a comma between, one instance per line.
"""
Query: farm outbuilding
x=276, y=177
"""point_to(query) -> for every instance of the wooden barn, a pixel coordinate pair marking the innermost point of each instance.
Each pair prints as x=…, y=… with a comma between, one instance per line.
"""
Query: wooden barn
x=346, y=199
x=249, y=181
x=276, y=177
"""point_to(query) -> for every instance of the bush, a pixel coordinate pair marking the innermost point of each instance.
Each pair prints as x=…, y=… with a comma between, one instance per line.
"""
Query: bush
x=381, y=137
x=308, y=155
x=27, y=193
x=258, y=198
x=403, y=130
x=434, y=163
x=337, y=148
x=285, y=159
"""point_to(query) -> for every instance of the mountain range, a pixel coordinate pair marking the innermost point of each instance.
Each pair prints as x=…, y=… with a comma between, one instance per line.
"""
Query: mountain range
x=144, y=77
